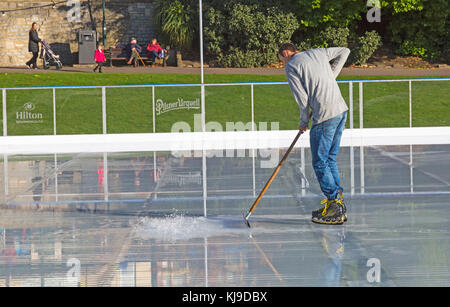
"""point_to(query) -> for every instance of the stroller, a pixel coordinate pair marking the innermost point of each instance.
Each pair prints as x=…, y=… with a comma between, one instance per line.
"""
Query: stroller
x=49, y=57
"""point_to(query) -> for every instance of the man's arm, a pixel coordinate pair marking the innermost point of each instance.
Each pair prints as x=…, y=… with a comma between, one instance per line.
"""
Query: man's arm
x=339, y=55
x=300, y=96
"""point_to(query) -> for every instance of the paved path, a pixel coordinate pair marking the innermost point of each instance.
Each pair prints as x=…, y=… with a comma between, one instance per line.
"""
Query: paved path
x=254, y=71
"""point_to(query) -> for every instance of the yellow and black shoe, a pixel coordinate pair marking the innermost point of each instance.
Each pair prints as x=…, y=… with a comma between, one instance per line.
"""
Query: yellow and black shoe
x=340, y=200
x=317, y=212
x=332, y=213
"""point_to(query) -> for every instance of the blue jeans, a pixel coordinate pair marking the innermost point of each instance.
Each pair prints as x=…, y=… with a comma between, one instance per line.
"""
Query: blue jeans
x=155, y=55
x=325, y=140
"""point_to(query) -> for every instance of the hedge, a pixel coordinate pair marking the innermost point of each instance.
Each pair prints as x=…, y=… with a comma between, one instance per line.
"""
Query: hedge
x=247, y=33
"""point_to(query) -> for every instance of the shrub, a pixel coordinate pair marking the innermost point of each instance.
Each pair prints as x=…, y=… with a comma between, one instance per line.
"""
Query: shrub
x=247, y=35
x=330, y=37
x=409, y=48
x=420, y=28
x=335, y=37
x=364, y=46
x=316, y=16
x=236, y=57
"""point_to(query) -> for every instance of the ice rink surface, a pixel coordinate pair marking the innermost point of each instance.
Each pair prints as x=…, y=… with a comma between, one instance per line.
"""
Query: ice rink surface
x=144, y=219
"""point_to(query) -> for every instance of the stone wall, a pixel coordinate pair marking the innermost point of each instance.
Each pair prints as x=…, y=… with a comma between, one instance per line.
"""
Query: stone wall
x=124, y=19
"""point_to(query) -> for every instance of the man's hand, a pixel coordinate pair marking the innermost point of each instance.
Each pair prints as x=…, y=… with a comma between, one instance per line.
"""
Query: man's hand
x=302, y=129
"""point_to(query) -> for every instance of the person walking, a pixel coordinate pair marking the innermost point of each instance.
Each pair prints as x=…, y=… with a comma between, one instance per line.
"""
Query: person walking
x=99, y=57
x=33, y=45
x=312, y=80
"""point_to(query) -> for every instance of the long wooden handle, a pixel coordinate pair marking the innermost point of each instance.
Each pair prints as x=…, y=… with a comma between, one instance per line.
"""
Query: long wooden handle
x=274, y=174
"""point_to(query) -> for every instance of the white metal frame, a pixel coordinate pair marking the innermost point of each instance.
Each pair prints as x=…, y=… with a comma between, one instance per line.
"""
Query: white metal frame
x=203, y=141
x=203, y=86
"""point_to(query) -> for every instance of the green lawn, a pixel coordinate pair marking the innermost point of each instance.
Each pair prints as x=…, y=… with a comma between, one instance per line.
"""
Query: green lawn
x=129, y=110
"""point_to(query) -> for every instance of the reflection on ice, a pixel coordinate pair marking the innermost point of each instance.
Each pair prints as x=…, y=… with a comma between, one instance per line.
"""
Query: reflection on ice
x=89, y=203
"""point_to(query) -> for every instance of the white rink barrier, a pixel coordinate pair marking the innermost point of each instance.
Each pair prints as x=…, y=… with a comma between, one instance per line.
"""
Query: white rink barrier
x=214, y=140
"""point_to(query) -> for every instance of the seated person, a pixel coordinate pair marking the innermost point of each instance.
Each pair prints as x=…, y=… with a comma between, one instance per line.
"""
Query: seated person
x=155, y=50
x=132, y=51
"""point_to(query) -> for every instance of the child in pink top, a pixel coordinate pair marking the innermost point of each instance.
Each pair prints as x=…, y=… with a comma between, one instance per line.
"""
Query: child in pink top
x=99, y=57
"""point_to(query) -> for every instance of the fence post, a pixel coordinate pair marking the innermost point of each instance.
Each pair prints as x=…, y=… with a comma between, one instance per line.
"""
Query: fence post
x=5, y=173
x=361, y=126
x=153, y=108
x=5, y=129
x=105, y=176
x=252, y=102
x=54, y=111
x=352, y=154
x=411, y=167
x=303, y=169
x=361, y=106
x=410, y=104
x=104, y=110
x=205, y=182
x=56, y=176
x=154, y=130
x=252, y=99
x=350, y=98
x=203, y=106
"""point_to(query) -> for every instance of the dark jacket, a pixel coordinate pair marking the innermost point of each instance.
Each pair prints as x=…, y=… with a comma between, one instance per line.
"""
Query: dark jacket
x=33, y=41
x=127, y=49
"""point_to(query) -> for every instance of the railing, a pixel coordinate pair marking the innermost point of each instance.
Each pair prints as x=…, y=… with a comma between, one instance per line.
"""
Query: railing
x=26, y=116
x=251, y=106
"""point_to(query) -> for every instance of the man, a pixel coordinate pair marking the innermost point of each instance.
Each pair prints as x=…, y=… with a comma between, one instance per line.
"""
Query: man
x=132, y=50
x=312, y=80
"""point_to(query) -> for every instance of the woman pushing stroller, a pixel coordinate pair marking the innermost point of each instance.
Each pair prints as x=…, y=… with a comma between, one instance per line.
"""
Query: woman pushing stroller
x=33, y=45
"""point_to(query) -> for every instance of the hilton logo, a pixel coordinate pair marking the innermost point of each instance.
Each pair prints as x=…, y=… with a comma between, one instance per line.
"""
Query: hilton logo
x=27, y=117
x=28, y=106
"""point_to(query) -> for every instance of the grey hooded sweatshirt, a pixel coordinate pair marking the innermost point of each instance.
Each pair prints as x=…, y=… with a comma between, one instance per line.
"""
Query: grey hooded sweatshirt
x=313, y=83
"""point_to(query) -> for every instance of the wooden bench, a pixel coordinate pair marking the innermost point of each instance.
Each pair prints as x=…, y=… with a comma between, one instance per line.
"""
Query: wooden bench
x=120, y=54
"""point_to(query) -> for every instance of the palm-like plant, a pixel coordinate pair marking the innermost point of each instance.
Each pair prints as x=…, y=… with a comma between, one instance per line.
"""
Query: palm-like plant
x=176, y=21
